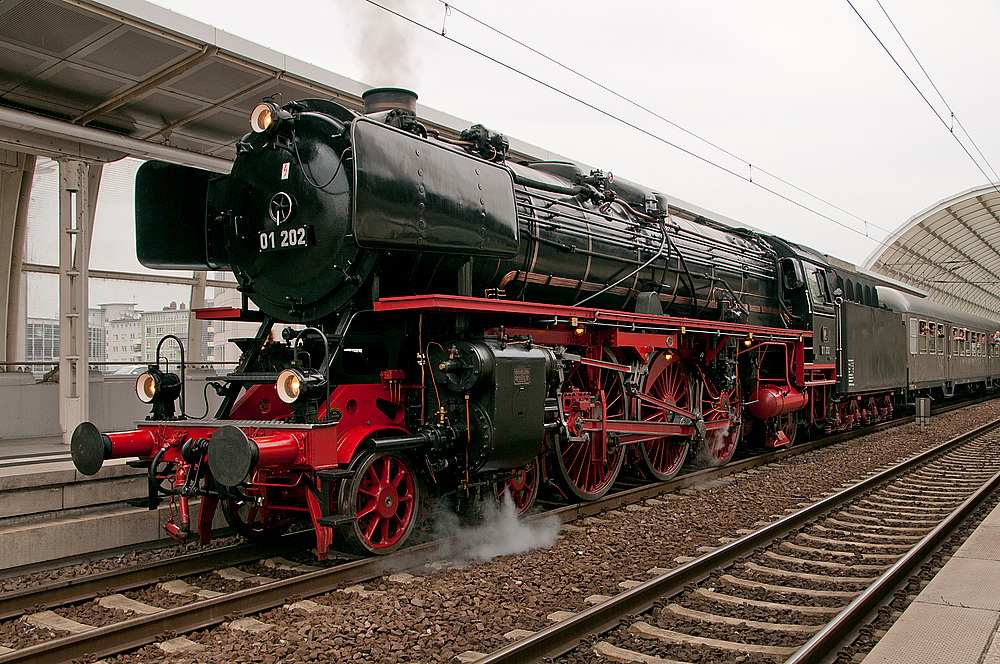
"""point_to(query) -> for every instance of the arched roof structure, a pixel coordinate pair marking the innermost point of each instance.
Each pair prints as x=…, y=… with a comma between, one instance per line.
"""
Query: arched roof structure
x=951, y=250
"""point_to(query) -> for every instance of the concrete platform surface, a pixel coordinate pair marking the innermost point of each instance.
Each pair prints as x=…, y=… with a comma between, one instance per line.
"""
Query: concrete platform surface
x=956, y=617
x=26, y=448
x=50, y=510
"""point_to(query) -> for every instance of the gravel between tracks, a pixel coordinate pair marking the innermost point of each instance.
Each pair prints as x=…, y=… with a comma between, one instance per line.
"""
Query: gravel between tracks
x=434, y=617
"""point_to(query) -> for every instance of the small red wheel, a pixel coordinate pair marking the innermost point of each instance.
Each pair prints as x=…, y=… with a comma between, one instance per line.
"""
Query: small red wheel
x=667, y=381
x=384, y=496
x=588, y=468
x=720, y=443
x=522, y=487
x=253, y=521
x=789, y=426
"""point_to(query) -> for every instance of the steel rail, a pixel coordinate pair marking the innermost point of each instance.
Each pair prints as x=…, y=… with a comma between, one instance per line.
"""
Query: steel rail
x=18, y=602
x=562, y=637
x=140, y=631
x=137, y=632
x=844, y=627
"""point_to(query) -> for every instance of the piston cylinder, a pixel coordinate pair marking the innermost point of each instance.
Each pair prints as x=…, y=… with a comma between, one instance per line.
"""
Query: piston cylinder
x=774, y=400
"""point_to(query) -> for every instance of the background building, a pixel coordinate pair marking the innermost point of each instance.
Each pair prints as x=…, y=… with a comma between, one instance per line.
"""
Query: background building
x=155, y=324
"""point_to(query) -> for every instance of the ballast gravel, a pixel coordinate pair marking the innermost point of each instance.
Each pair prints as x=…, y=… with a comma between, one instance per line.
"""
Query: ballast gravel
x=435, y=615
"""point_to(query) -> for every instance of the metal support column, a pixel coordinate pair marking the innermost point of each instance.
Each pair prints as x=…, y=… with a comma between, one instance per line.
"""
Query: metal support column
x=17, y=172
x=195, y=325
x=78, y=185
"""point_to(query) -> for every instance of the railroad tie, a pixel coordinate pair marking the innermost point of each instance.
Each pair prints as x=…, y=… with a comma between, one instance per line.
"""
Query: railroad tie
x=360, y=591
x=180, y=645
x=559, y=616
x=701, y=616
x=55, y=622
x=792, y=590
x=805, y=576
x=774, y=606
x=289, y=566
x=123, y=603
x=846, y=554
x=645, y=630
x=308, y=606
x=863, y=545
x=233, y=574
x=825, y=563
x=616, y=654
x=179, y=587
x=249, y=625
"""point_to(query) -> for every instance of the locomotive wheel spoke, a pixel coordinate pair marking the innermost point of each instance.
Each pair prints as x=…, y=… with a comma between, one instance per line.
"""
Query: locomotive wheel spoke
x=790, y=427
x=383, y=495
x=587, y=469
x=667, y=381
x=253, y=522
x=720, y=444
x=522, y=488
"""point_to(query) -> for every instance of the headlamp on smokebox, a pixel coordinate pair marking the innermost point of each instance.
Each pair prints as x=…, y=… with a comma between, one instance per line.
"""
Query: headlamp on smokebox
x=267, y=116
x=160, y=389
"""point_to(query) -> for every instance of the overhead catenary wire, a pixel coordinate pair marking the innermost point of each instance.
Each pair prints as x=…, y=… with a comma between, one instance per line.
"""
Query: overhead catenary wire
x=443, y=34
x=943, y=100
x=921, y=93
x=449, y=7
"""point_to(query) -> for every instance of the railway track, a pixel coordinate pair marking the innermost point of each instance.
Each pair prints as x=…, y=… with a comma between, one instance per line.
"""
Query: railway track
x=253, y=596
x=797, y=589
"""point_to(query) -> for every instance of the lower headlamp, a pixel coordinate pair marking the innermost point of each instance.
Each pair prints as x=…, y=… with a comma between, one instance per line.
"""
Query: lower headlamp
x=292, y=384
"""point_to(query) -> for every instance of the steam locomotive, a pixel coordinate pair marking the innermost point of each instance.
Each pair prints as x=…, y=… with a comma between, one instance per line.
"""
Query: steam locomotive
x=451, y=321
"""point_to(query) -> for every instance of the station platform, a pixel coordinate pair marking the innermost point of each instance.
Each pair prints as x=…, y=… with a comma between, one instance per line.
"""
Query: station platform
x=956, y=617
x=49, y=510
x=21, y=451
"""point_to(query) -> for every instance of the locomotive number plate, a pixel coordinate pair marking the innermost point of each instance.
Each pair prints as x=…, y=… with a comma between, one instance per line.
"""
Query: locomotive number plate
x=286, y=238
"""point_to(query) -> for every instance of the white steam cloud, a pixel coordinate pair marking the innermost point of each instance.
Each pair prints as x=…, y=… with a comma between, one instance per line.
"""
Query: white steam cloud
x=500, y=533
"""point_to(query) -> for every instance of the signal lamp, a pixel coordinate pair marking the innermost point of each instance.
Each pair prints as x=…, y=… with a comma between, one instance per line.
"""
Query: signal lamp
x=292, y=384
x=267, y=116
x=160, y=389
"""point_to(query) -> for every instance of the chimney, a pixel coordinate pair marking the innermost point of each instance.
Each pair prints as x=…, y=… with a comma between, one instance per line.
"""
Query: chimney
x=389, y=99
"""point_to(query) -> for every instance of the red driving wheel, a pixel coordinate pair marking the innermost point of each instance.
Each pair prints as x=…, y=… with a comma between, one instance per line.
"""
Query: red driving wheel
x=667, y=381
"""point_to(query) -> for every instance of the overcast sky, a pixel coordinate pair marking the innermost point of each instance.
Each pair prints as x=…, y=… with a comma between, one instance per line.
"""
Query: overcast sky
x=799, y=89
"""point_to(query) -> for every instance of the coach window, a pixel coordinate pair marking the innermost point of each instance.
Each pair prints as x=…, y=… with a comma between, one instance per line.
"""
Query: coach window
x=913, y=336
x=923, y=337
x=940, y=343
x=932, y=338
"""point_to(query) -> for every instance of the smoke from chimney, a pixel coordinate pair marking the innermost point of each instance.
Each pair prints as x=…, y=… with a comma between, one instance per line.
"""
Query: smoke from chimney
x=386, y=45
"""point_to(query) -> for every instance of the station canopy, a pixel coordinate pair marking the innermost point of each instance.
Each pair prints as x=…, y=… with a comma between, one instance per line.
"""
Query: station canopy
x=951, y=250
x=121, y=78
